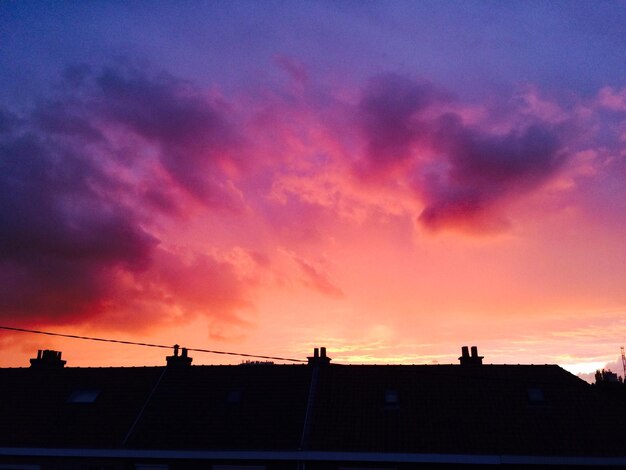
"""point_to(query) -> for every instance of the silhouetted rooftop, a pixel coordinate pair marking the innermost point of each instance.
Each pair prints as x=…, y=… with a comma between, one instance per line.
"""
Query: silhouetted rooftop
x=523, y=410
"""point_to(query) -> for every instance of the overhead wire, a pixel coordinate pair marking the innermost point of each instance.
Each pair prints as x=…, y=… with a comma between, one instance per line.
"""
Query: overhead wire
x=255, y=356
x=150, y=345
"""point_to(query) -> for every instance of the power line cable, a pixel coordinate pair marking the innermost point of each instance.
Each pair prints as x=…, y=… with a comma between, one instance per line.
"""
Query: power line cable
x=444, y=372
x=24, y=330
x=150, y=345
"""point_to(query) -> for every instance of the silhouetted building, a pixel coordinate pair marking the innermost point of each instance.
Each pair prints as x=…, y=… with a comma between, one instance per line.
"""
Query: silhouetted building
x=179, y=361
x=611, y=385
x=473, y=360
x=47, y=359
x=606, y=376
x=319, y=358
x=316, y=416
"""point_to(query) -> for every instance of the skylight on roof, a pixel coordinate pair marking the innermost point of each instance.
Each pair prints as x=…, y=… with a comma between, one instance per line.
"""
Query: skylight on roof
x=83, y=396
x=234, y=396
x=392, y=399
x=239, y=467
x=535, y=395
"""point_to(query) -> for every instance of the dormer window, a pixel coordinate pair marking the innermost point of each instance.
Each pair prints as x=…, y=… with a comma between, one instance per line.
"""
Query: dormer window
x=536, y=396
x=392, y=399
x=234, y=397
x=83, y=396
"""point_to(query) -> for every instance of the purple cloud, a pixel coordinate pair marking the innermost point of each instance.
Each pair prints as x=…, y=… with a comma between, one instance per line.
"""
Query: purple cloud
x=483, y=169
x=79, y=192
x=62, y=235
x=459, y=171
x=194, y=138
x=390, y=116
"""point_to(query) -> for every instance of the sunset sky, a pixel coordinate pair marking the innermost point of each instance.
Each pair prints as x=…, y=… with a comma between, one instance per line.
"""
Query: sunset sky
x=392, y=180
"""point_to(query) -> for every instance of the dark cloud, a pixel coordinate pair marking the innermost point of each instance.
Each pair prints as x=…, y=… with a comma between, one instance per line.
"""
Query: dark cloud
x=390, y=118
x=472, y=170
x=194, y=138
x=483, y=169
x=61, y=236
x=479, y=158
x=81, y=178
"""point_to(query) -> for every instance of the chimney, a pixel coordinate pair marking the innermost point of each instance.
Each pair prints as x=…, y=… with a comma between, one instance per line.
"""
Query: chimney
x=467, y=360
x=179, y=361
x=48, y=360
x=319, y=357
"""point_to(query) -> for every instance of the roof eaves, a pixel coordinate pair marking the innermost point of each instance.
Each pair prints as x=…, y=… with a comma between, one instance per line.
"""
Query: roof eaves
x=319, y=456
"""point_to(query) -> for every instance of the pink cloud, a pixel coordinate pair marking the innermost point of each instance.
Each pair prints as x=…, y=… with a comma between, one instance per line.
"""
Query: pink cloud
x=318, y=279
x=391, y=118
x=612, y=99
x=196, y=143
x=63, y=237
x=460, y=172
x=202, y=284
x=99, y=185
x=484, y=169
x=86, y=178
